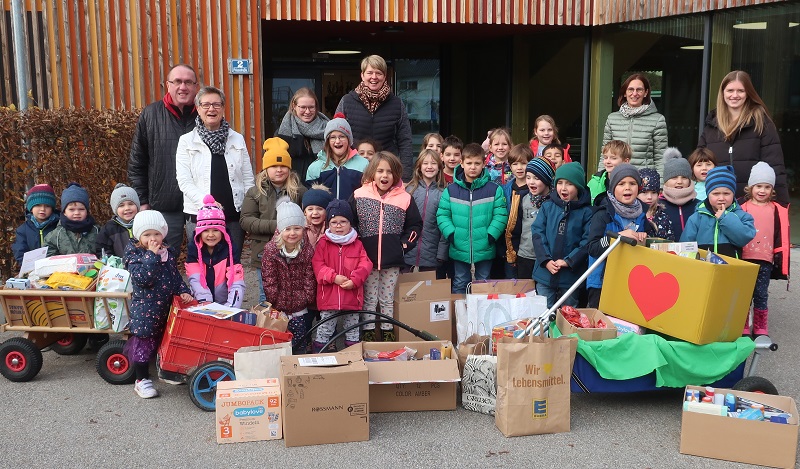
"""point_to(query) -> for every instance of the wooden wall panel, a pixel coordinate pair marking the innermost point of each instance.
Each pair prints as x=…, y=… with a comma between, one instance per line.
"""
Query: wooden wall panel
x=622, y=11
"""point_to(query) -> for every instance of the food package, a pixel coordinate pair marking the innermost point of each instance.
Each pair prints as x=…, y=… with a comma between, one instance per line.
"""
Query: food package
x=70, y=263
x=579, y=319
x=507, y=329
x=399, y=355
x=69, y=281
x=115, y=316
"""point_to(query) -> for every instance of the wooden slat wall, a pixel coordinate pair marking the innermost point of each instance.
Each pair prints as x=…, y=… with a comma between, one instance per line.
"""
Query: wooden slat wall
x=621, y=11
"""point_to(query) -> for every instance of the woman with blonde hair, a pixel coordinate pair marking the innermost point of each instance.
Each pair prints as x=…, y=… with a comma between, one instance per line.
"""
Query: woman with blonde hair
x=303, y=128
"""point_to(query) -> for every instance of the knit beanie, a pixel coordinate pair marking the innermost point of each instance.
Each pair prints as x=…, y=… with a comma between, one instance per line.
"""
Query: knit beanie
x=74, y=193
x=651, y=181
x=622, y=171
x=40, y=194
x=276, y=153
x=721, y=176
x=761, y=173
x=318, y=197
x=543, y=169
x=122, y=193
x=572, y=172
x=149, y=220
x=339, y=123
x=339, y=208
x=209, y=217
x=675, y=165
x=290, y=214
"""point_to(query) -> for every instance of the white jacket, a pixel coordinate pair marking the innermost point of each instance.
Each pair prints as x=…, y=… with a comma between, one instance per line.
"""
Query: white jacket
x=193, y=167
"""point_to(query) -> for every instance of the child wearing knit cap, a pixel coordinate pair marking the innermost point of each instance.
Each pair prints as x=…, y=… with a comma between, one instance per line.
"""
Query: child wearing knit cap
x=41, y=218
x=678, y=197
x=649, y=193
x=156, y=279
x=115, y=235
x=287, y=273
x=342, y=266
x=314, y=202
x=212, y=261
x=339, y=167
x=76, y=232
x=539, y=174
x=719, y=224
x=769, y=249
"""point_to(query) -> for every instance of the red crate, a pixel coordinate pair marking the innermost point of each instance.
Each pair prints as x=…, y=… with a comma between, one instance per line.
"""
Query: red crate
x=191, y=339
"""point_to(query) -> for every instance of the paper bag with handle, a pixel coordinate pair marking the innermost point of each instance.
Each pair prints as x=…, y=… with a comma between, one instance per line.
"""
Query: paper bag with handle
x=467, y=348
x=479, y=380
x=533, y=391
x=260, y=361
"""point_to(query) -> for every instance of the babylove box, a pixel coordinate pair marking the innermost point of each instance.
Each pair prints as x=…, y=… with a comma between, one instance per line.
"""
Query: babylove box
x=248, y=410
x=424, y=303
x=689, y=299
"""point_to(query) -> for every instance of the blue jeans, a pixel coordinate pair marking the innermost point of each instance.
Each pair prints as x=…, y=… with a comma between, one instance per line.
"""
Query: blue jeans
x=553, y=294
x=463, y=277
x=262, y=297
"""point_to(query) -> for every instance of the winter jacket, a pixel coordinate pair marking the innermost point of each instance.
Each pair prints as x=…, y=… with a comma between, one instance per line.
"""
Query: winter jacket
x=154, y=284
x=726, y=235
x=151, y=168
x=194, y=169
x=662, y=225
x=678, y=214
x=289, y=284
x=389, y=126
x=781, y=245
x=113, y=238
x=598, y=186
x=301, y=153
x=431, y=246
x=331, y=259
x=646, y=133
x=213, y=270
x=259, y=216
x=575, y=216
x=385, y=223
x=61, y=241
x=513, y=233
x=747, y=149
x=341, y=180
x=472, y=218
x=29, y=237
x=535, y=149
x=604, y=219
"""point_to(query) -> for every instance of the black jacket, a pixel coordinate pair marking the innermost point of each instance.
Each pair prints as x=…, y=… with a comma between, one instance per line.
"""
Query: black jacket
x=113, y=238
x=151, y=168
x=301, y=153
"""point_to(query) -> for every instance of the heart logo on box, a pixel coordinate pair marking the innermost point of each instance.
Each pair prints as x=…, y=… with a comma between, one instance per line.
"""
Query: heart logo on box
x=653, y=294
x=548, y=367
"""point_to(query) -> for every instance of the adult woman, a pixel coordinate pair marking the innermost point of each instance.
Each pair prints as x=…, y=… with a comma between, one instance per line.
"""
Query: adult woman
x=741, y=133
x=213, y=159
x=373, y=111
x=639, y=124
x=303, y=128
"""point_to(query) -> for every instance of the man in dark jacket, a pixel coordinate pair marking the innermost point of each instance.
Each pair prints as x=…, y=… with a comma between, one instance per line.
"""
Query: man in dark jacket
x=151, y=168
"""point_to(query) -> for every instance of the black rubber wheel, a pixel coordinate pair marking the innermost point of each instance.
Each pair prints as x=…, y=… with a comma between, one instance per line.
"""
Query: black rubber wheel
x=203, y=383
x=20, y=359
x=756, y=384
x=112, y=365
x=96, y=341
x=70, y=344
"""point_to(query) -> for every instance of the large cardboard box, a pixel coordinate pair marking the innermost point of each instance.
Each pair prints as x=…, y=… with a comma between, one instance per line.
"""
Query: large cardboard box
x=590, y=334
x=325, y=398
x=689, y=299
x=747, y=441
x=248, y=410
x=412, y=385
x=424, y=303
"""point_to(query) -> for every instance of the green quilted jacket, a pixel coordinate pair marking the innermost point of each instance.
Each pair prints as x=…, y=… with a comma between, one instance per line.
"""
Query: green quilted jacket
x=645, y=133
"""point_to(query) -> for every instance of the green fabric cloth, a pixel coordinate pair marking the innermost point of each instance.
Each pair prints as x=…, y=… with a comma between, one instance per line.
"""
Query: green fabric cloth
x=675, y=362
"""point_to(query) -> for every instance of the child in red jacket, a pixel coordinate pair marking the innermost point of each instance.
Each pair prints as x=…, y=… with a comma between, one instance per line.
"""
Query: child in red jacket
x=342, y=266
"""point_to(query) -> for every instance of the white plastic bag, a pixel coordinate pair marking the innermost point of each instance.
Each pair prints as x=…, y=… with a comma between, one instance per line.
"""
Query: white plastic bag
x=116, y=317
x=481, y=310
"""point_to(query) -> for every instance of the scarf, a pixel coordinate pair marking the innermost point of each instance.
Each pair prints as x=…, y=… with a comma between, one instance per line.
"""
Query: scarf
x=79, y=227
x=538, y=200
x=214, y=139
x=173, y=108
x=679, y=197
x=625, y=211
x=41, y=225
x=293, y=254
x=163, y=253
x=629, y=112
x=372, y=99
x=342, y=239
x=128, y=226
x=314, y=131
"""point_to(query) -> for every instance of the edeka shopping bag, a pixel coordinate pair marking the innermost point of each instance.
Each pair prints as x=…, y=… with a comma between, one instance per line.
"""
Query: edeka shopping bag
x=112, y=312
x=466, y=348
x=479, y=384
x=260, y=361
x=533, y=385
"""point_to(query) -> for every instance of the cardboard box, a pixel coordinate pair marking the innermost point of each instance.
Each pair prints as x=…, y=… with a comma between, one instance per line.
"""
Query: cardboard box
x=325, y=398
x=590, y=334
x=27, y=309
x=248, y=410
x=689, y=299
x=72, y=263
x=747, y=441
x=412, y=385
x=623, y=327
x=424, y=303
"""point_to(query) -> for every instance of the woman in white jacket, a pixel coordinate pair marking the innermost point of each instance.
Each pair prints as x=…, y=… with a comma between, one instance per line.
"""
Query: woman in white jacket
x=213, y=159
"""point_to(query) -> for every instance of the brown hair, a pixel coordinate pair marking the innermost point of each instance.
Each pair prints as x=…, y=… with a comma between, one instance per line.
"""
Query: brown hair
x=748, y=193
x=453, y=141
x=328, y=149
x=417, y=176
x=428, y=137
x=520, y=154
x=303, y=93
x=473, y=150
x=699, y=155
x=624, y=88
x=618, y=147
x=754, y=111
x=394, y=166
x=549, y=120
x=375, y=145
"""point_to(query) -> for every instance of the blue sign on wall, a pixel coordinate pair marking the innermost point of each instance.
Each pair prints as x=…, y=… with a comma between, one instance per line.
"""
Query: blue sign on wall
x=240, y=67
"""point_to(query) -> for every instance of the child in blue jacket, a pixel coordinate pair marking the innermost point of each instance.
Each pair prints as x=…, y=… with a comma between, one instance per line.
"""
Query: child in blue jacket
x=41, y=218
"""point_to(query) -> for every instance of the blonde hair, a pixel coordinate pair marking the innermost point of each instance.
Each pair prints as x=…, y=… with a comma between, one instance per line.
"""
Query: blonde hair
x=292, y=184
x=374, y=61
x=394, y=166
x=549, y=120
x=501, y=132
x=754, y=111
x=748, y=193
x=427, y=138
x=303, y=92
x=618, y=147
x=328, y=149
x=417, y=176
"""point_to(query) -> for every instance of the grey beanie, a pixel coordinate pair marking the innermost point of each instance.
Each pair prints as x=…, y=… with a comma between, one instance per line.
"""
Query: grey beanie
x=290, y=214
x=761, y=173
x=340, y=124
x=622, y=171
x=675, y=165
x=121, y=194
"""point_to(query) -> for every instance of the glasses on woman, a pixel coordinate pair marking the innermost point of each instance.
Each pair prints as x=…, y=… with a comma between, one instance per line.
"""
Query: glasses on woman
x=307, y=108
x=636, y=90
x=210, y=105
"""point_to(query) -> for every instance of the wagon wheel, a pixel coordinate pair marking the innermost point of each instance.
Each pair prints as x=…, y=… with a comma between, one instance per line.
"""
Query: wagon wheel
x=112, y=365
x=20, y=359
x=203, y=383
x=70, y=344
x=756, y=384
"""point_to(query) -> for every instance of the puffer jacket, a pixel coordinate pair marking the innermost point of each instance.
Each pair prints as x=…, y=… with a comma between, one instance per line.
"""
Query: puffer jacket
x=340, y=180
x=259, y=216
x=389, y=126
x=646, y=133
x=213, y=271
x=332, y=259
x=724, y=235
x=301, y=153
x=678, y=214
x=30, y=237
x=598, y=186
x=113, y=238
x=431, y=246
x=385, y=223
x=151, y=168
x=747, y=149
x=62, y=241
x=289, y=284
x=472, y=218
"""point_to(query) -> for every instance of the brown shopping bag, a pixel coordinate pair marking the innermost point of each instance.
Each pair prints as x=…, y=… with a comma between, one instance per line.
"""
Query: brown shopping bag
x=467, y=348
x=269, y=319
x=510, y=287
x=533, y=385
x=260, y=361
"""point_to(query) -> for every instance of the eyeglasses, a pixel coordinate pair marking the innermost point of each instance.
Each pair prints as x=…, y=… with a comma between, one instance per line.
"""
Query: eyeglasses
x=636, y=90
x=210, y=105
x=338, y=223
x=178, y=83
x=334, y=138
x=307, y=108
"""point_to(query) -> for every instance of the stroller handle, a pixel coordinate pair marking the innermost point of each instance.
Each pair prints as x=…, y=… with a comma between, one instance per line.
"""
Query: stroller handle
x=624, y=239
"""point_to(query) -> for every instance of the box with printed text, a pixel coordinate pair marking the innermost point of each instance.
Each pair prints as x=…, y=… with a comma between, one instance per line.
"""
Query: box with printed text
x=424, y=303
x=248, y=410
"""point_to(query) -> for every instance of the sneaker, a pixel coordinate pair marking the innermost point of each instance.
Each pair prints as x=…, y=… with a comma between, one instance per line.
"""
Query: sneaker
x=144, y=388
x=369, y=336
x=170, y=381
x=388, y=336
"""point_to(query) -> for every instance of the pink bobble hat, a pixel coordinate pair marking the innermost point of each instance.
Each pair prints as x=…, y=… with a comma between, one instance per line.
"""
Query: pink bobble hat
x=210, y=216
